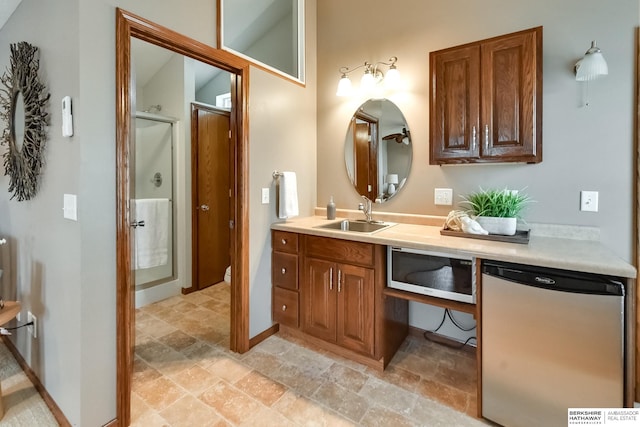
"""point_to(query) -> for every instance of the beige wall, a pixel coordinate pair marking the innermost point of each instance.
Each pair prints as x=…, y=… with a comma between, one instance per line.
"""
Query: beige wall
x=65, y=271
x=585, y=148
x=282, y=123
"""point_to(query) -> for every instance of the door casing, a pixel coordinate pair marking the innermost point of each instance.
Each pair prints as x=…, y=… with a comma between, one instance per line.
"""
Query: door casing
x=129, y=25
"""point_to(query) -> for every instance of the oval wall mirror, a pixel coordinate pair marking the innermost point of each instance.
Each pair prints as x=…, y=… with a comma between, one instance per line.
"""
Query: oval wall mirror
x=378, y=150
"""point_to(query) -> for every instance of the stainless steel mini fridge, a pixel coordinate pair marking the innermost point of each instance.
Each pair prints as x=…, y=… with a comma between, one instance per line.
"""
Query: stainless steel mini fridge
x=551, y=340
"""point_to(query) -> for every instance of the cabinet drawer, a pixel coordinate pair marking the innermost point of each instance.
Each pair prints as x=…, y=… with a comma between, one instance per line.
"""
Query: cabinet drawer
x=285, y=307
x=339, y=250
x=283, y=241
x=284, y=270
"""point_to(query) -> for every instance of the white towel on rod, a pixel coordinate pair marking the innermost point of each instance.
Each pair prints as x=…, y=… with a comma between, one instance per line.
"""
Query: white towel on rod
x=288, y=203
x=152, y=239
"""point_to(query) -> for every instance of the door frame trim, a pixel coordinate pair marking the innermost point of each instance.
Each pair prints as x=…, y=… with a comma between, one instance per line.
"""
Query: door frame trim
x=129, y=25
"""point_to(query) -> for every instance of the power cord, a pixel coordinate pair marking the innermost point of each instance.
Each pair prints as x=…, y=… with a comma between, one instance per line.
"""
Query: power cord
x=447, y=313
x=5, y=331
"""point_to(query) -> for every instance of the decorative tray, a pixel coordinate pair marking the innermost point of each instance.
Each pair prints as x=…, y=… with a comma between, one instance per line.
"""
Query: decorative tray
x=521, y=236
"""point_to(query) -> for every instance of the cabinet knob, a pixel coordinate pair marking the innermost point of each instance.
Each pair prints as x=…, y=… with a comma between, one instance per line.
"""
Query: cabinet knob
x=284, y=270
x=284, y=308
x=284, y=241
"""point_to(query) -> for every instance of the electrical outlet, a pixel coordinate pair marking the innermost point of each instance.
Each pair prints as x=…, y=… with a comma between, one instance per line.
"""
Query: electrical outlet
x=33, y=329
x=443, y=196
x=265, y=196
x=589, y=201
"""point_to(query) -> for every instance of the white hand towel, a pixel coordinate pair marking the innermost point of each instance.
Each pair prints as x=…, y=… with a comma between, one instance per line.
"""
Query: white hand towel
x=288, y=203
x=151, y=240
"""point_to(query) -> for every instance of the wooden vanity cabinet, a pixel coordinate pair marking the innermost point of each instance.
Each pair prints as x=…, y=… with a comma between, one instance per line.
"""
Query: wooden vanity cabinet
x=338, y=303
x=341, y=303
x=284, y=278
x=486, y=101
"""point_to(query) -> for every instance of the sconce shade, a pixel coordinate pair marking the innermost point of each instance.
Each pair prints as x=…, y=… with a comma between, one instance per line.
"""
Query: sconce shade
x=367, y=82
x=392, y=79
x=344, y=86
x=592, y=66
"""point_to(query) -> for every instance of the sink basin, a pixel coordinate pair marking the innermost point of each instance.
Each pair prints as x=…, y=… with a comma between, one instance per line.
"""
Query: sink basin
x=358, y=226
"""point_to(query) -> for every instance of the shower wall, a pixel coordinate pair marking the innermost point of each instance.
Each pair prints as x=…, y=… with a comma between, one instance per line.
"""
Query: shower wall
x=154, y=180
x=173, y=88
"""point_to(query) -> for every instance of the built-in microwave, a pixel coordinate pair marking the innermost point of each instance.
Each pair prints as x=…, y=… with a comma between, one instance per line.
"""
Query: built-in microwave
x=437, y=274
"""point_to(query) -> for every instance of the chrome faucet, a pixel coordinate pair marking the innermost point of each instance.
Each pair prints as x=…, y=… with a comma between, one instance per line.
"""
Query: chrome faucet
x=366, y=208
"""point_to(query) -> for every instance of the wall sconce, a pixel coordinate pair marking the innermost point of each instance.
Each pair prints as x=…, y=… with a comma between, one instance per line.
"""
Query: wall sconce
x=592, y=66
x=371, y=78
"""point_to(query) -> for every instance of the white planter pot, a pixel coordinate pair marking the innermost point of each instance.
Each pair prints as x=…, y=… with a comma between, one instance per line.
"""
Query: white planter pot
x=495, y=225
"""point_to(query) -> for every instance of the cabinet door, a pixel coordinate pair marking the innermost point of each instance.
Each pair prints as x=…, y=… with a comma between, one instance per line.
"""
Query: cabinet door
x=512, y=97
x=318, y=291
x=355, y=308
x=455, y=104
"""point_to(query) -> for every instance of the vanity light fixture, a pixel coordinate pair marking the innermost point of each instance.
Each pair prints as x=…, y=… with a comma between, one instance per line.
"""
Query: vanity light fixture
x=592, y=66
x=371, y=78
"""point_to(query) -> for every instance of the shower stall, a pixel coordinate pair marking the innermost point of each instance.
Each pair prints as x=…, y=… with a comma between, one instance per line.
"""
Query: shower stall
x=153, y=205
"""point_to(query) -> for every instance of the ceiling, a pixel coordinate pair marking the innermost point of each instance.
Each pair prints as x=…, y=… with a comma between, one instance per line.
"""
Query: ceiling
x=6, y=9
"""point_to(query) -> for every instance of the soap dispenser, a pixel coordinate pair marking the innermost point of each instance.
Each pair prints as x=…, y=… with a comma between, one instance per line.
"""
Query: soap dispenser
x=331, y=209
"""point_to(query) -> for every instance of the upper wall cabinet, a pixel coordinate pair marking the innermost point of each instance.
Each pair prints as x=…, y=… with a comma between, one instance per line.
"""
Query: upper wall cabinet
x=486, y=101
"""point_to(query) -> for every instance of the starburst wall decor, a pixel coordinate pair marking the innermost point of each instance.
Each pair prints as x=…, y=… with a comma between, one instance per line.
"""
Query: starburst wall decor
x=24, y=158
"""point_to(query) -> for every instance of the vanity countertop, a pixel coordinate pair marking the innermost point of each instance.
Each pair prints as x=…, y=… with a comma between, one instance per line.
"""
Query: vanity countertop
x=588, y=256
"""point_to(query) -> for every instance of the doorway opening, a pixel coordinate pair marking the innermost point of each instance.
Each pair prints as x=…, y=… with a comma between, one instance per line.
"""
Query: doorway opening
x=128, y=27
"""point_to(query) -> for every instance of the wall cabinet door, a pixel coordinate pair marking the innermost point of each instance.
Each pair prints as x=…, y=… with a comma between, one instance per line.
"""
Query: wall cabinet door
x=355, y=317
x=486, y=101
x=512, y=98
x=455, y=104
x=319, y=295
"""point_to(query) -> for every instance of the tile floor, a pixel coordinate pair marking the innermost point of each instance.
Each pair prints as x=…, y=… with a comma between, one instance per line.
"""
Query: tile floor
x=184, y=375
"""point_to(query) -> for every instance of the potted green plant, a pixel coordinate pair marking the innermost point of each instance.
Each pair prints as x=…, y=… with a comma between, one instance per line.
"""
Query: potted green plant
x=497, y=211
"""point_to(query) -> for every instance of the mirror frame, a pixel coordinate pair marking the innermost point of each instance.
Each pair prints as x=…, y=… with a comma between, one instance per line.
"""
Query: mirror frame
x=301, y=37
x=129, y=25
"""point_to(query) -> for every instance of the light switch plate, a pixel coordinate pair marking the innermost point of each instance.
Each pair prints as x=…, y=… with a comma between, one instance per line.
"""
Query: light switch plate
x=443, y=196
x=265, y=196
x=70, y=207
x=589, y=201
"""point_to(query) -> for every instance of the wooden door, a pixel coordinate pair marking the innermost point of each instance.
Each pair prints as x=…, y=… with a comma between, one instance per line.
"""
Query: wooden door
x=455, y=104
x=365, y=155
x=210, y=194
x=318, y=289
x=355, y=308
x=512, y=96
